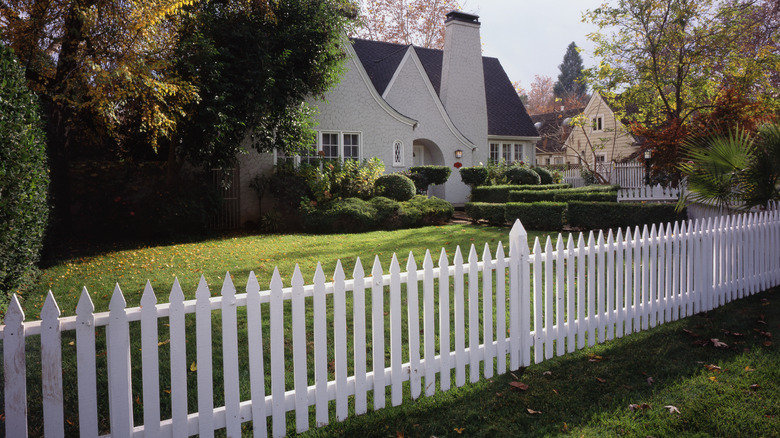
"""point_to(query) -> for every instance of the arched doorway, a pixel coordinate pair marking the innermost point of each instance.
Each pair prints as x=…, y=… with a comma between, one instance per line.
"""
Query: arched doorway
x=428, y=153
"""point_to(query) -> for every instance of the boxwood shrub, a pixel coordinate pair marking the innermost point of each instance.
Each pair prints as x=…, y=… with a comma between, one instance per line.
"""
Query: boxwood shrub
x=544, y=175
x=474, y=176
x=585, y=196
x=532, y=195
x=395, y=186
x=493, y=213
x=500, y=194
x=523, y=175
x=424, y=176
x=537, y=215
x=594, y=215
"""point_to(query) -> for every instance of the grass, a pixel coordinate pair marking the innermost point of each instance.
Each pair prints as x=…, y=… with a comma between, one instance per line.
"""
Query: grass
x=570, y=399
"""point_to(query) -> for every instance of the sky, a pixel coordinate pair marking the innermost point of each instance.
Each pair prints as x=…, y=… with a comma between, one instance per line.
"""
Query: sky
x=530, y=37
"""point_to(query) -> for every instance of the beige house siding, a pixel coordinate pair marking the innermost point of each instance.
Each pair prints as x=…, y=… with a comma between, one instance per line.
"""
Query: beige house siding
x=612, y=142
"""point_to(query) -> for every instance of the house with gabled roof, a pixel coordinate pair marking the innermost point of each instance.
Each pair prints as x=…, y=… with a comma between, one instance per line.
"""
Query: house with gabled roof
x=554, y=129
x=412, y=106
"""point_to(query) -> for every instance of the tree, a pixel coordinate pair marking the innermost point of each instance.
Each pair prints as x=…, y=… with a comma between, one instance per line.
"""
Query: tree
x=24, y=178
x=521, y=92
x=541, y=99
x=571, y=82
x=417, y=22
x=254, y=65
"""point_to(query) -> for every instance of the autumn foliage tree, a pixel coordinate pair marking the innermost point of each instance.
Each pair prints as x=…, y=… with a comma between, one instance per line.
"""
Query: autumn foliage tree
x=540, y=97
x=417, y=22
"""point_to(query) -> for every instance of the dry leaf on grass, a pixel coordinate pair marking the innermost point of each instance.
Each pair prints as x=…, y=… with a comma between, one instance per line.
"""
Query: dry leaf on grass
x=635, y=407
x=519, y=385
x=650, y=380
x=532, y=412
x=601, y=380
x=717, y=344
x=695, y=335
x=712, y=367
x=459, y=429
x=547, y=373
x=672, y=409
x=755, y=386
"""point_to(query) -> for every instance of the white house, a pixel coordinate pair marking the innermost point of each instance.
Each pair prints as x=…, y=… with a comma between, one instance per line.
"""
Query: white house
x=415, y=106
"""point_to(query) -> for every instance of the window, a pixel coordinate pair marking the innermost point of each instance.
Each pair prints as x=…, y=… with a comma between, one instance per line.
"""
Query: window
x=351, y=147
x=507, y=153
x=547, y=161
x=518, y=152
x=398, y=153
x=601, y=158
x=330, y=145
x=598, y=123
x=494, y=152
x=558, y=160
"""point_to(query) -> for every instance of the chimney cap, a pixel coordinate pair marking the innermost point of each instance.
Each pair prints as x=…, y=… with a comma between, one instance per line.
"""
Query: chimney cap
x=462, y=16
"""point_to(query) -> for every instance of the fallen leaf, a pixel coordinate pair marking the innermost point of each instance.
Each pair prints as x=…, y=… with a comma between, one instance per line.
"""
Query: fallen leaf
x=513, y=375
x=747, y=368
x=601, y=380
x=635, y=407
x=767, y=343
x=712, y=367
x=755, y=386
x=519, y=385
x=650, y=380
x=499, y=394
x=555, y=391
x=565, y=427
x=672, y=409
x=459, y=429
x=167, y=391
x=71, y=343
x=399, y=434
x=713, y=378
x=593, y=358
x=193, y=366
x=717, y=344
x=138, y=400
x=695, y=335
x=547, y=373
x=532, y=412
x=167, y=341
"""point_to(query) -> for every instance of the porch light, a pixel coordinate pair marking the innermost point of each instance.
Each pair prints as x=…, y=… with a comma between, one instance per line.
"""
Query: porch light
x=459, y=154
x=648, y=154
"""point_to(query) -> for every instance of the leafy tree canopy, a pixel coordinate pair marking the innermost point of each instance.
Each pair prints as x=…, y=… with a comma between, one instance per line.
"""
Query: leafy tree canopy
x=417, y=22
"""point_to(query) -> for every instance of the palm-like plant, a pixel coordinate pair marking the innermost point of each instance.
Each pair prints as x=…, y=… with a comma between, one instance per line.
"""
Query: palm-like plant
x=734, y=172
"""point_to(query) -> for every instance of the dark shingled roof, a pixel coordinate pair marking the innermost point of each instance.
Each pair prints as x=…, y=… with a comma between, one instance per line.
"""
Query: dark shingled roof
x=506, y=114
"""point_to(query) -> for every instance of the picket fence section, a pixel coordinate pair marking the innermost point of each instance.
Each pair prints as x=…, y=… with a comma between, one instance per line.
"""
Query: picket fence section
x=655, y=193
x=551, y=302
x=626, y=175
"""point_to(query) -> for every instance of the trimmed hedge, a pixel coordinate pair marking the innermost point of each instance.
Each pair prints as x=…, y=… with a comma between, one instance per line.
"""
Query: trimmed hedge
x=424, y=176
x=597, y=188
x=544, y=175
x=500, y=194
x=537, y=215
x=523, y=175
x=395, y=186
x=473, y=176
x=531, y=196
x=593, y=215
x=493, y=213
x=586, y=196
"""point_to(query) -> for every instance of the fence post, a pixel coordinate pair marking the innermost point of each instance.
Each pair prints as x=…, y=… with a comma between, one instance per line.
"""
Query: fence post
x=118, y=349
x=519, y=298
x=51, y=358
x=15, y=370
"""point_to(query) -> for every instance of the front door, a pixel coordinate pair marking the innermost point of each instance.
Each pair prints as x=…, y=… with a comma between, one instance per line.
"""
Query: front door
x=419, y=155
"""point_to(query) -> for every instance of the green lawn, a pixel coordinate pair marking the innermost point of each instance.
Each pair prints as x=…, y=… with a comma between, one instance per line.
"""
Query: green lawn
x=570, y=399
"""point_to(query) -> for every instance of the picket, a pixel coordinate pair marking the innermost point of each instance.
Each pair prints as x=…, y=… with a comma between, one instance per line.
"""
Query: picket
x=611, y=286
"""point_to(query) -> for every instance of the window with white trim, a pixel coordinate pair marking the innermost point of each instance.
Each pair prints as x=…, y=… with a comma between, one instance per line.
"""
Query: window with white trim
x=351, y=147
x=398, y=153
x=495, y=153
x=598, y=123
x=518, y=152
x=601, y=158
x=507, y=153
x=330, y=145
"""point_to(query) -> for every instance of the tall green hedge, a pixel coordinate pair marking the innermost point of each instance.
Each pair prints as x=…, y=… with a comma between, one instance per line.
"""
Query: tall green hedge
x=497, y=194
x=593, y=215
x=538, y=215
x=24, y=178
x=493, y=213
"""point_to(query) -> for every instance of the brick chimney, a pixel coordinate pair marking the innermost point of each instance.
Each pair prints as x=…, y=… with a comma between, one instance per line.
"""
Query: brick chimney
x=462, y=78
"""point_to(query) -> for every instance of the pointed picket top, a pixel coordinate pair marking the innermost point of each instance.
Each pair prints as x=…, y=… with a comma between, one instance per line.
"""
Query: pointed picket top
x=148, y=298
x=443, y=260
x=203, y=289
x=591, y=238
x=629, y=237
x=117, y=300
x=428, y=260
x=276, y=281
x=228, y=290
x=645, y=232
x=653, y=233
x=676, y=229
x=50, y=310
x=319, y=274
x=610, y=239
x=548, y=248
x=580, y=243
x=358, y=272
x=297, y=278
x=683, y=228
x=709, y=221
x=411, y=264
x=85, y=306
x=14, y=314
x=517, y=230
x=619, y=236
x=252, y=285
x=473, y=254
x=500, y=251
x=458, y=256
x=600, y=239
x=394, y=267
x=570, y=243
x=559, y=243
x=176, y=295
x=376, y=271
x=486, y=256
x=537, y=247
x=338, y=274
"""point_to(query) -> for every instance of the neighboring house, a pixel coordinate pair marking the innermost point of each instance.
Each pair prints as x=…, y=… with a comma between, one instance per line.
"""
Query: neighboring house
x=413, y=106
x=551, y=149
x=604, y=139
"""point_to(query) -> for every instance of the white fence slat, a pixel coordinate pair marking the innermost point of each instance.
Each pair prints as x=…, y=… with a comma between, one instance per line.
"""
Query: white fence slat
x=378, y=334
x=646, y=269
x=320, y=349
x=300, y=365
x=591, y=279
x=661, y=280
x=501, y=310
x=396, y=390
x=525, y=296
x=538, y=301
x=413, y=327
x=581, y=290
x=118, y=356
x=668, y=272
x=86, y=366
x=178, y=363
x=444, y=322
x=15, y=370
x=204, y=364
x=429, y=340
x=676, y=260
x=515, y=258
x=571, y=318
x=600, y=319
x=474, y=356
x=460, y=322
x=230, y=358
x=150, y=360
x=340, y=341
x=276, y=336
x=653, y=274
x=611, y=290
x=627, y=293
x=549, y=298
x=638, y=250
x=359, y=336
x=256, y=367
x=51, y=378
x=560, y=304
x=685, y=270
x=487, y=312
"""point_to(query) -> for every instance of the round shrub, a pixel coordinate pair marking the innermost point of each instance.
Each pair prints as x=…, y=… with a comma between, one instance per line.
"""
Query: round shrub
x=544, y=174
x=24, y=180
x=523, y=175
x=387, y=216
x=474, y=176
x=424, y=176
x=395, y=186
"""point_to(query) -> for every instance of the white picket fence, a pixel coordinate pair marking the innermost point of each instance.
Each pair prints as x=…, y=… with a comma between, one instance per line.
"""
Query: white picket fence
x=626, y=175
x=649, y=193
x=625, y=283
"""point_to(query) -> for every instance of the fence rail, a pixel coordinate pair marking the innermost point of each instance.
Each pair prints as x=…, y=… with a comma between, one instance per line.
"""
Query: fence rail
x=625, y=282
x=626, y=175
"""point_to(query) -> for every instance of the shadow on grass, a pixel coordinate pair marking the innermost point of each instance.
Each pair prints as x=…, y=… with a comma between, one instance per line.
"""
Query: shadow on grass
x=589, y=392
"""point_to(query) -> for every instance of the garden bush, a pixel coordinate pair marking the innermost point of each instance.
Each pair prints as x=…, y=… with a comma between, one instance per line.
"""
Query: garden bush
x=498, y=194
x=594, y=215
x=424, y=176
x=544, y=175
x=432, y=211
x=24, y=179
x=493, y=213
x=537, y=215
x=395, y=186
x=523, y=175
x=531, y=195
x=585, y=196
x=474, y=176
